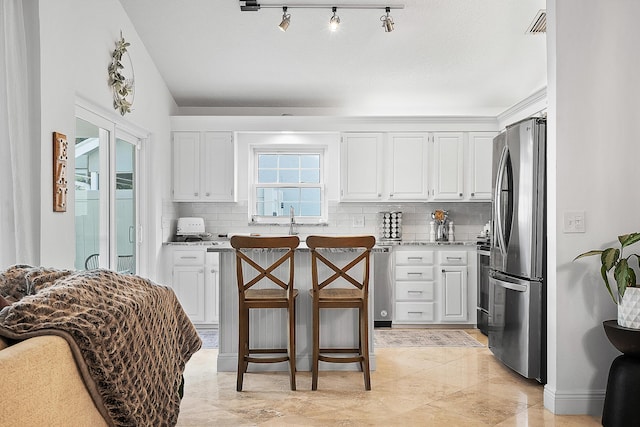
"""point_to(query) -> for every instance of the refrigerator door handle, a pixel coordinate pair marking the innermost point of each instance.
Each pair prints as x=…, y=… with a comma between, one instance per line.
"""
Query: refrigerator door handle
x=508, y=285
x=497, y=197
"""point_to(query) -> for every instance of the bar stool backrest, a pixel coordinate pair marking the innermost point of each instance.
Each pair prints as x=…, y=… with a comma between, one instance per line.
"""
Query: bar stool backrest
x=342, y=242
x=248, y=243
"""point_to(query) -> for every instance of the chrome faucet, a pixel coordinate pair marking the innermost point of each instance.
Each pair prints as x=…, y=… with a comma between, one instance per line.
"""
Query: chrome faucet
x=292, y=222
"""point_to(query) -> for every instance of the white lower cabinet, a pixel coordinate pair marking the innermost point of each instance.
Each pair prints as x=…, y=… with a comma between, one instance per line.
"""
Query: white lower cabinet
x=188, y=284
x=195, y=281
x=454, y=294
x=415, y=290
x=431, y=286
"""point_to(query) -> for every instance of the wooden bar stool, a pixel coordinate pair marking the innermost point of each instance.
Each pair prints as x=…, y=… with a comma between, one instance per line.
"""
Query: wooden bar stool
x=265, y=296
x=355, y=296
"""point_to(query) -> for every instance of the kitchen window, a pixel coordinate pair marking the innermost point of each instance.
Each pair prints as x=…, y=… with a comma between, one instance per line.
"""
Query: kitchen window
x=288, y=181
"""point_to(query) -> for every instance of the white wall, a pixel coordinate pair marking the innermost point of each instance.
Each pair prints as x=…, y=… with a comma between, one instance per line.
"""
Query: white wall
x=594, y=87
x=76, y=41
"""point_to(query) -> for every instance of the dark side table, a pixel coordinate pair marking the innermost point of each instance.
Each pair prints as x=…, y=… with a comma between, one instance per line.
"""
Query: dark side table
x=623, y=384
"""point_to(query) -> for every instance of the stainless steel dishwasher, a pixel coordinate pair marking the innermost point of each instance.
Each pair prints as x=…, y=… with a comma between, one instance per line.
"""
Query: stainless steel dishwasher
x=383, y=289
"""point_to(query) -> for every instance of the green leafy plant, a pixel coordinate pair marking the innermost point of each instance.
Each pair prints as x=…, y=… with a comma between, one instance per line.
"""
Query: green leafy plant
x=121, y=86
x=612, y=259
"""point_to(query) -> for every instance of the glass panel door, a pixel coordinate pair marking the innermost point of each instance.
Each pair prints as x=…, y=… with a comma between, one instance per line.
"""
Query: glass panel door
x=106, y=207
x=125, y=204
x=91, y=249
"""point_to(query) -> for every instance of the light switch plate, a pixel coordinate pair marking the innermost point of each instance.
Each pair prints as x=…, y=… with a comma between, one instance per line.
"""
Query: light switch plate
x=358, y=221
x=574, y=222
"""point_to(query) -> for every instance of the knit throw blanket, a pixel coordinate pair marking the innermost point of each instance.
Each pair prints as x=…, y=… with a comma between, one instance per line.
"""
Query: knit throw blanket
x=130, y=337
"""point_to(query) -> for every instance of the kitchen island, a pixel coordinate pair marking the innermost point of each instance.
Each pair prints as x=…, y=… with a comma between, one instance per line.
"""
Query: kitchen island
x=269, y=327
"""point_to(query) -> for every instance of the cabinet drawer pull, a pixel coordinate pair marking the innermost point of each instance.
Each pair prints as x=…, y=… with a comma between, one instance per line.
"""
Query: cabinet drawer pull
x=418, y=258
x=413, y=273
x=414, y=292
x=188, y=257
x=414, y=313
x=458, y=258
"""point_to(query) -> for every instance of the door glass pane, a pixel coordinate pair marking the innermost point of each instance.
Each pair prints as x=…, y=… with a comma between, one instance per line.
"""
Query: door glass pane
x=87, y=193
x=125, y=208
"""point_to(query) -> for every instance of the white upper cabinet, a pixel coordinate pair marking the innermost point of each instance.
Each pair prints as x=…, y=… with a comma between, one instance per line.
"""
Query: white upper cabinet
x=416, y=166
x=218, y=168
x=408, y=154
x=480, y=163
x=448, y=166
x=203, y=166
x=186, y=165
x=361, y=166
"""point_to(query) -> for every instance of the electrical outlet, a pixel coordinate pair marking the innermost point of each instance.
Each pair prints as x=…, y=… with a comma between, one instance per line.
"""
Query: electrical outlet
x=358, y=221
x=574, y=222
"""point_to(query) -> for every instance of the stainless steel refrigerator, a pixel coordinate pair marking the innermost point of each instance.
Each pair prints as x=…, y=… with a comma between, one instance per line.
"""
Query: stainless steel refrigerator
x=517, y=308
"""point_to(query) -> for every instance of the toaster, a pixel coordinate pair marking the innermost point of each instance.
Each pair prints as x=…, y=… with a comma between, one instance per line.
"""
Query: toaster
x=190, y=226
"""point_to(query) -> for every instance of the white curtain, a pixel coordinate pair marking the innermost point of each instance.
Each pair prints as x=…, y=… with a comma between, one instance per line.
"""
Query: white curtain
x=19, y=142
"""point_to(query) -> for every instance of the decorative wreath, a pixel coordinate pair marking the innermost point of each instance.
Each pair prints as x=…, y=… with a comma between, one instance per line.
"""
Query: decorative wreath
x=123, y=87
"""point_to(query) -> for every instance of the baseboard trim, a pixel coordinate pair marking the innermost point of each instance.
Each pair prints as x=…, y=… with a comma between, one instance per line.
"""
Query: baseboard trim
x=574, y=403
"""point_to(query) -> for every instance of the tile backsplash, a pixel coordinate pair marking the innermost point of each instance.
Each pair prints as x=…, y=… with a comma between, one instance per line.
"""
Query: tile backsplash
x=468, y=218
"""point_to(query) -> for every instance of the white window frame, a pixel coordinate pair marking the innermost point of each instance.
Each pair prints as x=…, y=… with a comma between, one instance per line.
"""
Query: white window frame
x=258, y=149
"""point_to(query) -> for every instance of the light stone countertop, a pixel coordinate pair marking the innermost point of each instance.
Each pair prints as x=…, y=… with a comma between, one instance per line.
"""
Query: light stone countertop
x=381, y=245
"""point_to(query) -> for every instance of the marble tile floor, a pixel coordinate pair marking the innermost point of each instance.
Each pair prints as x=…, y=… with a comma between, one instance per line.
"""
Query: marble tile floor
x=435, y=386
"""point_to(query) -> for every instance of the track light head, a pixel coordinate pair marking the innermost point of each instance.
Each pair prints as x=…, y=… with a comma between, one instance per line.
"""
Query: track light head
x=387, y=21
x=335, y=20
x=286, y=19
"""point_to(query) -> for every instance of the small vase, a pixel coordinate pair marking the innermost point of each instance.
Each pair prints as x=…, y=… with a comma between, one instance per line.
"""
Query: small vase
x=629, y=309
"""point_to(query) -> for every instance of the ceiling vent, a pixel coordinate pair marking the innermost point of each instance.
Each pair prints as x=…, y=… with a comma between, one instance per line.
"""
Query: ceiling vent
x=539, y=24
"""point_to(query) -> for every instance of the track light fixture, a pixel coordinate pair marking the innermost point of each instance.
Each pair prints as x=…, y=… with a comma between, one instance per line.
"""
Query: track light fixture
x=335, y=20
x=286, y=19
x=387, y=21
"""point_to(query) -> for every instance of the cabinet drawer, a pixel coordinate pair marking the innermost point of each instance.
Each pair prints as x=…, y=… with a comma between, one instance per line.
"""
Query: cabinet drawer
x=414, y=272
x=453, y=258
x=415, y=311
x=192, y=257
x=414, y=257
x=415, y=291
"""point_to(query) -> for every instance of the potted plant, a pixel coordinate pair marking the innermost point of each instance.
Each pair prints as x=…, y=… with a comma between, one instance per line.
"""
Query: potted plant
x=625, y=276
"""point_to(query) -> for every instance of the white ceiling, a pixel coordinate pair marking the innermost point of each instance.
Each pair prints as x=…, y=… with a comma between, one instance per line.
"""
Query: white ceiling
x=445, y=57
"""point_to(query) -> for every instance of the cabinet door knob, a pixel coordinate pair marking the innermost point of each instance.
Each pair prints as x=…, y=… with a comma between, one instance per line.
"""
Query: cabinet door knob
x=460, y=194
x=473, y=194
x=195, y=194
x=207, y=194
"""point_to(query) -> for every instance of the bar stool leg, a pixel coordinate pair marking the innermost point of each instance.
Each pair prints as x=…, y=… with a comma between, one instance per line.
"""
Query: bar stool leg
x=243, y=344
x=316, y=344
x=292, y=344
x=364, y=345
